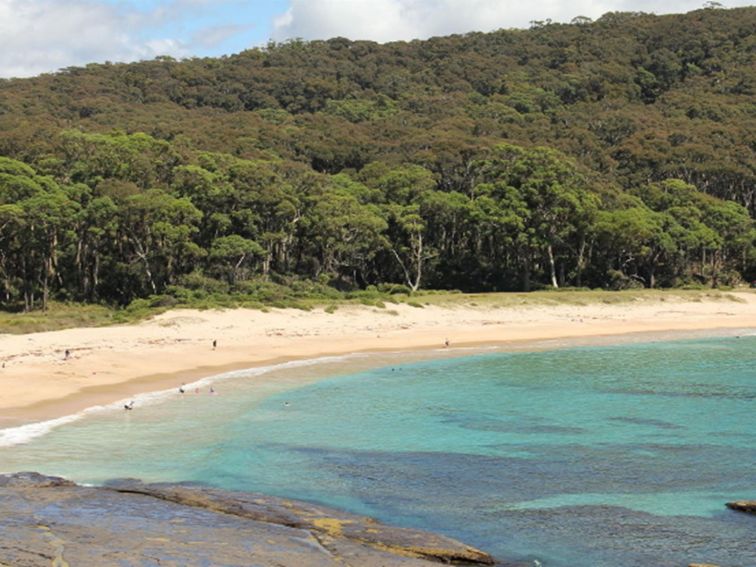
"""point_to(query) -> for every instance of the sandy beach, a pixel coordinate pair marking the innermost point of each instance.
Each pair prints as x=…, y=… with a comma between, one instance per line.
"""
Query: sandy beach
x=107, y=364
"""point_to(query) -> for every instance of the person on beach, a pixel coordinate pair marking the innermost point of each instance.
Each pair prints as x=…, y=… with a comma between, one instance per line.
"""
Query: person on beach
x=129, y=406
x=67, y=355
x=212, y=391
x=446, y=343
x=215, y=343
x=181, y=388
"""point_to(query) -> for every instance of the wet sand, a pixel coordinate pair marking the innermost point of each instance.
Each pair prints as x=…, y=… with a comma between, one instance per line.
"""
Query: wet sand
x=112, y=363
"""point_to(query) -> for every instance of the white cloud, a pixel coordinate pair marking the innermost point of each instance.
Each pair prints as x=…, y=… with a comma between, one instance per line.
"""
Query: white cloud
x=43, y=35
x=389, y=20
x=215, y=35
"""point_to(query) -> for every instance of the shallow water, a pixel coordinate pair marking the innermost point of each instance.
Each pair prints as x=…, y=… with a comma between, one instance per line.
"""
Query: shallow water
x=590, y=456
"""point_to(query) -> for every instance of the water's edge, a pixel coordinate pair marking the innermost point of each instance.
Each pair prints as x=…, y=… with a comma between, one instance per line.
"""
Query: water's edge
x=24, y=433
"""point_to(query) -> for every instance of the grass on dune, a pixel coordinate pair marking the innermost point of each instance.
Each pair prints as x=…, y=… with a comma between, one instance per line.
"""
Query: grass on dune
x=572, y=297
x=69, y=315
x=58, y=316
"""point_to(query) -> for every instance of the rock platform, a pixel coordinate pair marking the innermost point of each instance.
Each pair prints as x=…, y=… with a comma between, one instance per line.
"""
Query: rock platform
x=48, y=521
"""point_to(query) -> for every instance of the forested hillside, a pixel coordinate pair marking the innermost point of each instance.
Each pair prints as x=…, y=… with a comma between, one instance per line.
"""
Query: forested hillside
x=614, y=154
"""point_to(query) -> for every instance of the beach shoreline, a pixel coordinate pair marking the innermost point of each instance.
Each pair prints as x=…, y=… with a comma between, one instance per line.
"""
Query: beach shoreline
x=106, y=365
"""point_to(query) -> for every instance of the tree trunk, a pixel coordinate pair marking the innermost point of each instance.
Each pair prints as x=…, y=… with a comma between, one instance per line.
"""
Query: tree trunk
x=95, y=277
x=580, y=262
x=142, y=254
x=80, y=269
x=715, y=269
x=267, y=259
x=45, y=285
x=526, y=273
x=417, y=259
x=552, y=267
x=235, y=271
x=418, y=263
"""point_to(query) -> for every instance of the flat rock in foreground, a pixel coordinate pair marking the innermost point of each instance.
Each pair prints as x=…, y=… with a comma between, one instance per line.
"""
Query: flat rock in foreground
x=48, y=520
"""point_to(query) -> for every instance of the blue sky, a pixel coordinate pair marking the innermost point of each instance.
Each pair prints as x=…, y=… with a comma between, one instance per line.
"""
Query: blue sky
x=38, y=36
x=209, y=27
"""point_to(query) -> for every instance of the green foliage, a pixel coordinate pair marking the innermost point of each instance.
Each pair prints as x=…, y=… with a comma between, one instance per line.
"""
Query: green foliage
x=616, y=153
x=356, y=110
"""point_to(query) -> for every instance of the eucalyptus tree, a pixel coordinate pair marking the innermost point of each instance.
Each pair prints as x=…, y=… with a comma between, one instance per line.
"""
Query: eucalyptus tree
x=405, y=192
x=553, y=200
x=230, y=256
x=158, y=229
x=37, y=215
x=343, y=229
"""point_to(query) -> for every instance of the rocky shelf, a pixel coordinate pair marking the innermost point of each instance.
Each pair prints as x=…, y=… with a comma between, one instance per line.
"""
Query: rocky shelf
x=748, y=506
x=51, y=521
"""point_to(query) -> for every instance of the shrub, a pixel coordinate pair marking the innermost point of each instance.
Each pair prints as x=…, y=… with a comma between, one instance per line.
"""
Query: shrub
x=394, y=289
x=619, y=281
x=199, y=281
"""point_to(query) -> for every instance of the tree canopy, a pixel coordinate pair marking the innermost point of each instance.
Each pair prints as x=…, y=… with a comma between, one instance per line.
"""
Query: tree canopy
x=613, y=153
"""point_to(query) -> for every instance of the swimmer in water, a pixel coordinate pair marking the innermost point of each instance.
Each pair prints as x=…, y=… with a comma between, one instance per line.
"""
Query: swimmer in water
x=129, y=406
x=181, y=388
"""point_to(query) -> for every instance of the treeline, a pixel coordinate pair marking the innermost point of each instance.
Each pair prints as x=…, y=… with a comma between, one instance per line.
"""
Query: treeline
x=613, y=153
x=128, y=216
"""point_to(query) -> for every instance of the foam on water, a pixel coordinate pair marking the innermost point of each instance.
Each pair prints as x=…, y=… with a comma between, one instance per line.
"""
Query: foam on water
x=25, y=433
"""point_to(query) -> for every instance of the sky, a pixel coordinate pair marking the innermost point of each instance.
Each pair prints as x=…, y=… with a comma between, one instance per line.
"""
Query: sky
x=39, y=36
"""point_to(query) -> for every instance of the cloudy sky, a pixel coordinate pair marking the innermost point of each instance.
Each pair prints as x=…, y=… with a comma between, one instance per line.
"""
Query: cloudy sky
x=38, y=36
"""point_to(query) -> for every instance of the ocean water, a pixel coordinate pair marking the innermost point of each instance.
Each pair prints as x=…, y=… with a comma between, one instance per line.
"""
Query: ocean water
x=589, y=456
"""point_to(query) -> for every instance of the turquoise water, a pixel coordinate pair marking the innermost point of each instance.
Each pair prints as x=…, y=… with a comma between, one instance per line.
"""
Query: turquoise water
x=590, y=456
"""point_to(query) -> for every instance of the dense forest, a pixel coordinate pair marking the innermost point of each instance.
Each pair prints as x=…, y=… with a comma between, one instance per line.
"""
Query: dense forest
x=616, y=153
